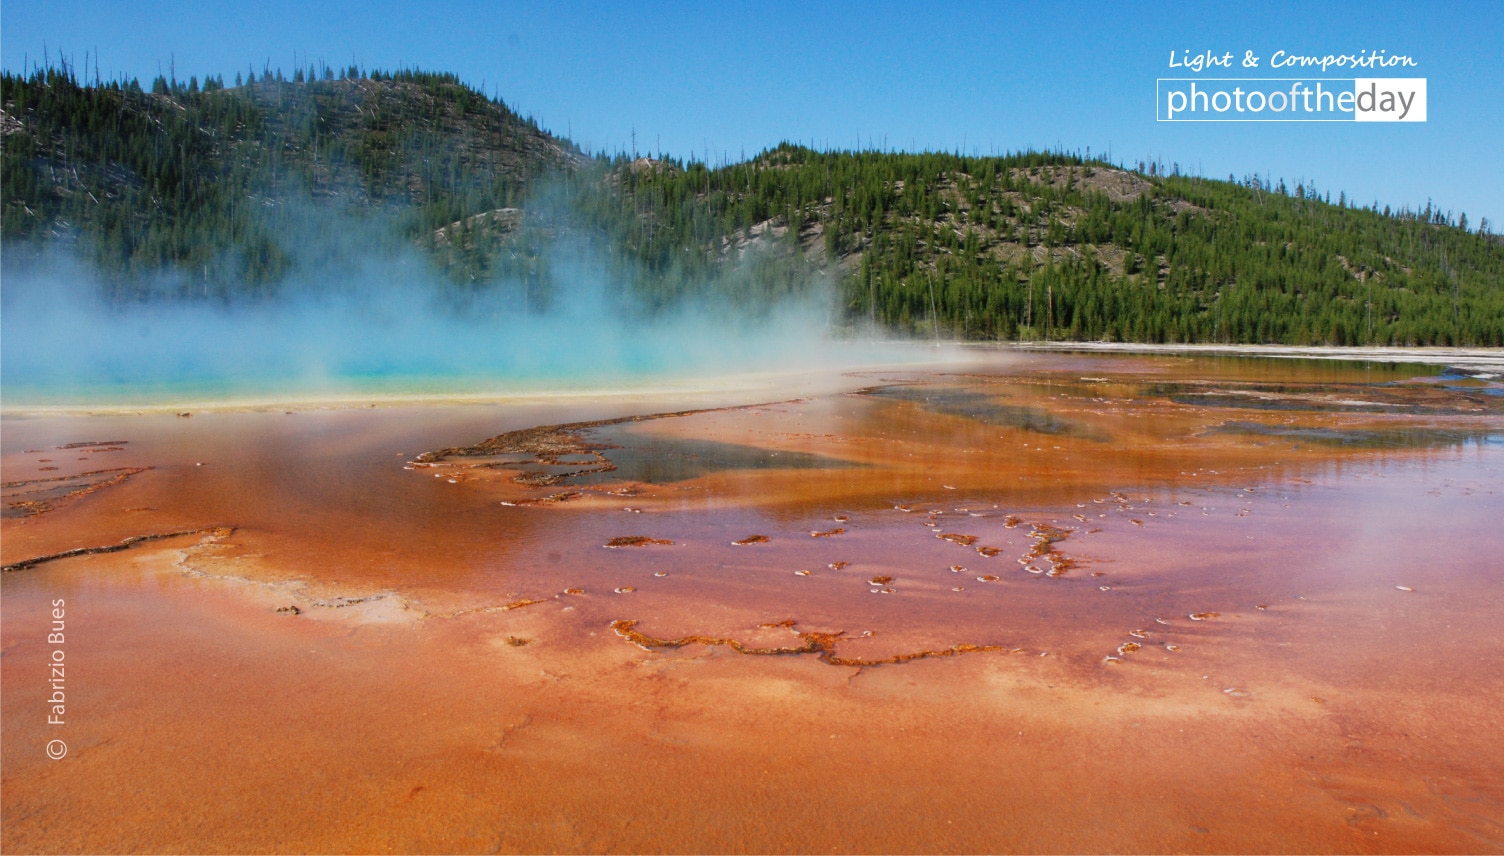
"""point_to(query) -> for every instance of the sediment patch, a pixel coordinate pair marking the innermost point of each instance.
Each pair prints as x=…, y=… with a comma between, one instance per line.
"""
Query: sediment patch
x=126, y=544
x=821, y=645
x=637, y=541
x=46, y=494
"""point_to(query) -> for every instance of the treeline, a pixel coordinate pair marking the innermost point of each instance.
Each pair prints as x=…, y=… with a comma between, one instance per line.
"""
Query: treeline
x=1052, y=246
x=220, y=186
x=221, y=183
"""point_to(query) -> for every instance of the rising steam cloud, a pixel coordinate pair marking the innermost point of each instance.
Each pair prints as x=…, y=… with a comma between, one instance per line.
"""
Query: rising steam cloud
x=385, y=325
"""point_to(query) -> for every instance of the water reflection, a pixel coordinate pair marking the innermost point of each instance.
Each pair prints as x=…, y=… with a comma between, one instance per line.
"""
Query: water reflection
x=657, y=459
x=1361, y=438
x=984, y=407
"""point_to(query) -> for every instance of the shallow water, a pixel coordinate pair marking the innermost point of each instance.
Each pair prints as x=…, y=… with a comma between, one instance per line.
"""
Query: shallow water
x=1046, y=603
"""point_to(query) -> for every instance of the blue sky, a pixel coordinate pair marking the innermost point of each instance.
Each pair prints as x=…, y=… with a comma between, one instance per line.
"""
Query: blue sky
x=692, y=78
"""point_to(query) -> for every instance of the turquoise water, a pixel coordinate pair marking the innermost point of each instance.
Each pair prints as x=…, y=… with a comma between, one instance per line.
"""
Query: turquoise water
x=165, y=385
x=67, y=350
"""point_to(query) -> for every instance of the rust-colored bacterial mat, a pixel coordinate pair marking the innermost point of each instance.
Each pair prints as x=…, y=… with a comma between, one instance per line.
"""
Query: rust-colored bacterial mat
x=1046, y=603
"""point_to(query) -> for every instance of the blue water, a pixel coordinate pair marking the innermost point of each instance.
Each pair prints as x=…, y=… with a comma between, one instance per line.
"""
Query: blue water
x=63, y=349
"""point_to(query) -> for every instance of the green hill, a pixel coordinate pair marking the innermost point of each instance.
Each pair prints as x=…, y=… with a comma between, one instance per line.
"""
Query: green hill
x=223, y=193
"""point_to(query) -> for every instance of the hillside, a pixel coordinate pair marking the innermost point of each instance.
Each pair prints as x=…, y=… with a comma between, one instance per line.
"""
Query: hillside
x=222, y=181
x=224, y=190
x=1054, y=247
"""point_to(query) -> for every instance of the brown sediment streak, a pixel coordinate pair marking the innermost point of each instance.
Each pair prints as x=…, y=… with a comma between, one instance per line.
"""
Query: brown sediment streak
x=752, y=539
x=87, y=443
x=822, y=645
x=33, y=507
x=24, y=482
x=637, y=541
x=566, y=496
x=957, y=538
x=537, y=479
x=126, y=544
x=1045, y=537
x=481, y=610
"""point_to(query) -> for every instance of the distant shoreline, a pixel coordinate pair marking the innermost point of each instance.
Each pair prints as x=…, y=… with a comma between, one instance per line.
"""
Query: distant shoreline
x=1485, y=359
x=748, y=385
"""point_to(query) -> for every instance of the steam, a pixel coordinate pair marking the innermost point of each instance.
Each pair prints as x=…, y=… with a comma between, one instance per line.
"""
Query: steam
x=384, y=324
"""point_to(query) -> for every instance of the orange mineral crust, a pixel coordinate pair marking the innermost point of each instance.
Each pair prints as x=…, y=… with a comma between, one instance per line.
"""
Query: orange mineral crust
x=1048, y=604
